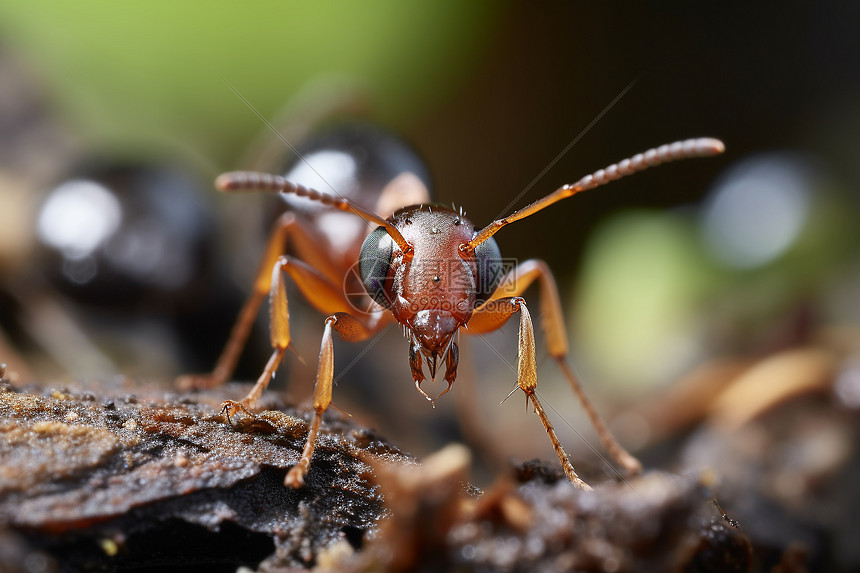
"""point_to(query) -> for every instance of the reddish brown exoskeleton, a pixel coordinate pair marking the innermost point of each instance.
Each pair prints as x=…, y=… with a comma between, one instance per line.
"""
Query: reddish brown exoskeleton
x=426, y=267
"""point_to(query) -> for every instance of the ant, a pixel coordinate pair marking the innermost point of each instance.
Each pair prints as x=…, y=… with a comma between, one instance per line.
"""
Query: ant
x=424, y=266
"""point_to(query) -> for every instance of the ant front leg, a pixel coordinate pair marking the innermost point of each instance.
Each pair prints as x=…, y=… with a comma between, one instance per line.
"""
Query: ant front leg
x=318, y=289
x=288, y=229
x=493, y=315
x=353, y=330
x=552, y=319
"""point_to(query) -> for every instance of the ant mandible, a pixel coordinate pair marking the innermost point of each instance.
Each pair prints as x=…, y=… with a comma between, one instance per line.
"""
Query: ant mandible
x=425, y=267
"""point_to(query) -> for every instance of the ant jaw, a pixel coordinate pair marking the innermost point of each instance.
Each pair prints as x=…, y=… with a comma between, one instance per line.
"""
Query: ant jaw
x=431, y=364
x=425, y=394
x=445, y=391
x=433, y=330
x=431, y=337
x=433, y=359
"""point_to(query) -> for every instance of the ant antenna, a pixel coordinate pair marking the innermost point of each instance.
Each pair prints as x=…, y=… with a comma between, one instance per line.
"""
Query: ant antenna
x=702, y=147
x=256, y=181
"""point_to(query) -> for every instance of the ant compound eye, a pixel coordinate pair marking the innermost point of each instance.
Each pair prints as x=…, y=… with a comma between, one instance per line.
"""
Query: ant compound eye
x=488, y=258
x=373, y=264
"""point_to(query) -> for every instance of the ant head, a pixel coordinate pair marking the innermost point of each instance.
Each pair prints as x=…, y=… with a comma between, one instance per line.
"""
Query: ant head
x=433, y=289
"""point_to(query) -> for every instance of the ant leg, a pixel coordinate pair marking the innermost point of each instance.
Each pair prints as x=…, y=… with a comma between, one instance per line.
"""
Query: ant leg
x=353, y=330
x=288, y=228
x=552, y=321
x=295, y=478
x=317, y=288
x=497, y=314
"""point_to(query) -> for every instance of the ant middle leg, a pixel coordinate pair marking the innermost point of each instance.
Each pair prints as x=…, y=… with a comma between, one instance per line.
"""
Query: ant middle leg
x=318, y=289
x=288, y=229
x=351, y=329
x=552, y=321
x=493, y=315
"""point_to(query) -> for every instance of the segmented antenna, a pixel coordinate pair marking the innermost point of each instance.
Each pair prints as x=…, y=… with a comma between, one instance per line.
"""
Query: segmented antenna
x=257, y=181
x=687, y=149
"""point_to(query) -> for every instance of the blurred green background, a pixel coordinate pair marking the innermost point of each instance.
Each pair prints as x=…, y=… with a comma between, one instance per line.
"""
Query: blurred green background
x=155, y=72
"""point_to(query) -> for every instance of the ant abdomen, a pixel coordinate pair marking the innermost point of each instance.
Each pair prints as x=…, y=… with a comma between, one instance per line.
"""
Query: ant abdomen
x=355, y=161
